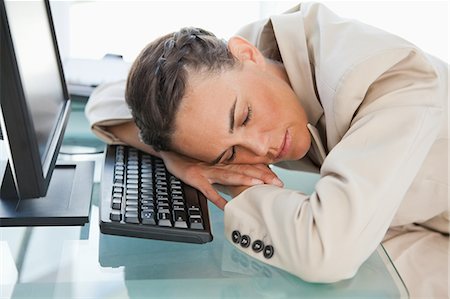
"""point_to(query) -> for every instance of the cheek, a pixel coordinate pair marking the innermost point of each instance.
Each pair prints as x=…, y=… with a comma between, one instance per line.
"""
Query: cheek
x=274, y=107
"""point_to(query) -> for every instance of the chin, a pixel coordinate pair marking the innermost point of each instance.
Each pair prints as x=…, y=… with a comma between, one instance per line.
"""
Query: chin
x=301, y=151
x=298, y=156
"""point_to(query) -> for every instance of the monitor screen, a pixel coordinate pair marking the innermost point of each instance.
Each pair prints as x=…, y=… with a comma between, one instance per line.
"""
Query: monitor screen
x=34, y=102
x=34, y=110
x=40, y=74
x=39, y=71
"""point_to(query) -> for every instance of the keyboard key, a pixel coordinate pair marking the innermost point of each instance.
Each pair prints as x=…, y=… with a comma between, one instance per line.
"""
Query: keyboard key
x=194, y=213
x=146, y=185
x=178, y=199
x=132, y=191
x=131, y=202
x=176, y=192
x=180, y=219
x=116, y=204
x=131, y=209
x=131, y=217
x=147, y=194
x=164, y=219
x=162, y=198
x=148, y=207
x=178, y=207
x=163, y=210
x=163, y=205
x=115, y=216
x=117, y=194
x=148, y=218
x=178, y=202
x=131, y=196
x=118, y=190
x=147, y=197
x=196, y=223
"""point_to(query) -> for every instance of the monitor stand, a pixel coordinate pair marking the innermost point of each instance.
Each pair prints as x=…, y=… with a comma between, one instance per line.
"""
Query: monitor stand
x=68, y=199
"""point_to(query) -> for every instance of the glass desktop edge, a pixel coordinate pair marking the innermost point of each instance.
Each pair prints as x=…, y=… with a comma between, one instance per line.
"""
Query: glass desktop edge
x=393, y=271
x=3, y=159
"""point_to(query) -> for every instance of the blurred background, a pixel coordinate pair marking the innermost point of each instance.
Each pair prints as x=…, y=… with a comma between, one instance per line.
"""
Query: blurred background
x=89, y=30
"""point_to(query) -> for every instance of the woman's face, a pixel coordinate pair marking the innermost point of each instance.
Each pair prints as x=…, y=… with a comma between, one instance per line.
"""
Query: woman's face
x=248, y=114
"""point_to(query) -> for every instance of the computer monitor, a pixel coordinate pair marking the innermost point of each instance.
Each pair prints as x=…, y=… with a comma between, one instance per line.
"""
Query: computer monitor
x=34, y=110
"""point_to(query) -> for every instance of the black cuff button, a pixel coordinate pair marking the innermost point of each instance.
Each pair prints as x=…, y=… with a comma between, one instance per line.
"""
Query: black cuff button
x=258, y=246
x=245, y=241
x=236, y=236
x=268, y=251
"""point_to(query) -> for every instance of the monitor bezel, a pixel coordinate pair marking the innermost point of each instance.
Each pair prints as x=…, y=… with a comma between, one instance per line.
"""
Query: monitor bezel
x=27, y=173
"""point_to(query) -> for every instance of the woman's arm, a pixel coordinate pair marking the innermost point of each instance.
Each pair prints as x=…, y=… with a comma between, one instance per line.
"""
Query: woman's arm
x=128, y=133
x=198, y=174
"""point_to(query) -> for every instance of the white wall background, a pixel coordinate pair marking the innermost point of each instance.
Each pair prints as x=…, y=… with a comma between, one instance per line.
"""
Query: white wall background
x=90, y=29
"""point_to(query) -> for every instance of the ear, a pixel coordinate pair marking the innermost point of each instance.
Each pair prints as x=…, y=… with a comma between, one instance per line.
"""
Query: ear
x=243, y=50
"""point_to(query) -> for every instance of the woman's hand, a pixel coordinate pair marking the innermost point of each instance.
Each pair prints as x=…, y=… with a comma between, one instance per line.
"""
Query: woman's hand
x=202, y=176
x=234, y=177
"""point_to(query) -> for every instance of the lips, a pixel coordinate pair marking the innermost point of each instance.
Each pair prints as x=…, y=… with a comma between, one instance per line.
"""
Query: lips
x=284, y=146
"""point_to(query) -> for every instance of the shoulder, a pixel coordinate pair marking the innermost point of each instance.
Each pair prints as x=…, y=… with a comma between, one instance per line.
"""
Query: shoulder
x=338, y=45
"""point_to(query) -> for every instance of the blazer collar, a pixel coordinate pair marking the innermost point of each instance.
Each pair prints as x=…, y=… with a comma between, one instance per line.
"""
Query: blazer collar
x=286, y=31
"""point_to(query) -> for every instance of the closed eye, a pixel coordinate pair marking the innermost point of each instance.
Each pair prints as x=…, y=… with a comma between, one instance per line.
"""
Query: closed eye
x=248, y=117
x=233, y=155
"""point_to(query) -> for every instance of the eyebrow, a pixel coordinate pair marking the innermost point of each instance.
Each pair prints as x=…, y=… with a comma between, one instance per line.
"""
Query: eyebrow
x=232, y=112
x=231, y=129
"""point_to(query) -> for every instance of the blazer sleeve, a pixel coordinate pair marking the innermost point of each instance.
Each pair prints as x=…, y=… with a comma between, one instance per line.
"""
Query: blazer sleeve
x=107, y=107
x=326, y=236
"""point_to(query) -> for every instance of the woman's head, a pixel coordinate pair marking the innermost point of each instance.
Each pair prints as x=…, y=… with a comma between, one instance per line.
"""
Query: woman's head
x=159, y=76
x=217, y=102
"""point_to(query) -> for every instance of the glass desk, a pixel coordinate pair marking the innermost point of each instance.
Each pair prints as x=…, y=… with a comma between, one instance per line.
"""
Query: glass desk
x=80, y=262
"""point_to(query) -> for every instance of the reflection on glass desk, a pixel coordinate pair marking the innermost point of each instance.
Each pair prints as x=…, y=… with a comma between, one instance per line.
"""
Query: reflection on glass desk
x=78, y=138
x=80, y=262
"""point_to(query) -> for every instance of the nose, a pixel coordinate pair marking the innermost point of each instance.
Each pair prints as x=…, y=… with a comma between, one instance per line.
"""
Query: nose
x=257, y=142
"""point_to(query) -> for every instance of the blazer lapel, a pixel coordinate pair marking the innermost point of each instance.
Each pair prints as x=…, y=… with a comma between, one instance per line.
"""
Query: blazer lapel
x=317, y=150
x=290, y=36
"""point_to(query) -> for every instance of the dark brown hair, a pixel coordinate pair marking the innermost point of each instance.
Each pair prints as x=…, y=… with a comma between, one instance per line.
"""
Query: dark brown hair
x=158, y=78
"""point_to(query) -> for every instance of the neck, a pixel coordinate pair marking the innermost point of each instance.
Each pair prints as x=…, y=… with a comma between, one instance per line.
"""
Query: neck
x=278, y=69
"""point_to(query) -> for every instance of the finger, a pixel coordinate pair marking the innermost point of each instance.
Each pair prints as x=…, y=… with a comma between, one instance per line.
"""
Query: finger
x=212, y=195
x=263, y=173
x=232, y=178
x=275, y=179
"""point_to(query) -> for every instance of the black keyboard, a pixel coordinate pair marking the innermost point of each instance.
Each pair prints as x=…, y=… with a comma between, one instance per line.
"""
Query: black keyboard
x=140, y=198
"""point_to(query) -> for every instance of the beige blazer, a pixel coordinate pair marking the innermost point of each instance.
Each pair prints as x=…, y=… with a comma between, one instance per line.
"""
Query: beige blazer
x=378, y=110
